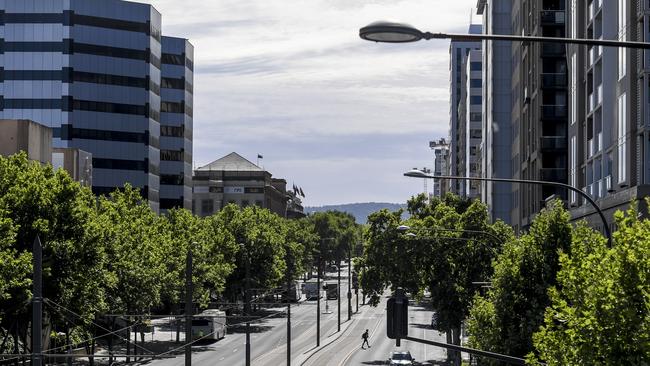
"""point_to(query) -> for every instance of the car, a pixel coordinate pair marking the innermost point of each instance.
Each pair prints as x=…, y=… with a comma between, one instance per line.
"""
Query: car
x=401, y=358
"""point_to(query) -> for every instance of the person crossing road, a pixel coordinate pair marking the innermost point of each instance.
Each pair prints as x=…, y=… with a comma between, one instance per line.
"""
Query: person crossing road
x=365, y=337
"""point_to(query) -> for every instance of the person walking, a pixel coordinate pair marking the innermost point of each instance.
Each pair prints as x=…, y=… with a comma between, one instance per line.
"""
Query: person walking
x=365, y=337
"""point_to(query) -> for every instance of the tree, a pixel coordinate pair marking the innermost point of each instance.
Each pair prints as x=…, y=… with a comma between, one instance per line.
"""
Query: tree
x=213, y=251
x=260, y=237
x=505, y=320
x=599, y=312
x=452, y=248
x=37, y=201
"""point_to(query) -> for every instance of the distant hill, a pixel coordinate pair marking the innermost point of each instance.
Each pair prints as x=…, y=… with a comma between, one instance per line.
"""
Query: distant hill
x=360, y=211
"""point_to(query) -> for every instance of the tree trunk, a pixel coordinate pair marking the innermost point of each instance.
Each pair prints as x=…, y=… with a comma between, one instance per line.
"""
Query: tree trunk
x=456, y=341
x=68, y=344
x=128, y=341
x=110, y=341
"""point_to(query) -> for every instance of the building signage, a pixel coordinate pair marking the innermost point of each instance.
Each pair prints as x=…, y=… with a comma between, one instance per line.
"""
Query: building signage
x=233, y=190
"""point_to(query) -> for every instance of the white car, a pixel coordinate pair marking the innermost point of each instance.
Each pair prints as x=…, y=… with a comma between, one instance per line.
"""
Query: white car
x=401, y=358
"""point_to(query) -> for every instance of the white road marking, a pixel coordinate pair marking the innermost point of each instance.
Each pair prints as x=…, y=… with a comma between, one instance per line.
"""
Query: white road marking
x=235, y=350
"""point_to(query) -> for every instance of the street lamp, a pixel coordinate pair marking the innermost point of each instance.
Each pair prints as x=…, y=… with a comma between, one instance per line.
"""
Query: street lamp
x=419, y=174
x=320, y=265
x=393, y=32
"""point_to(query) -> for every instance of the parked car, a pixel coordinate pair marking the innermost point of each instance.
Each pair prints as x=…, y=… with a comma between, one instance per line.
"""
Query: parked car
x=401, y=358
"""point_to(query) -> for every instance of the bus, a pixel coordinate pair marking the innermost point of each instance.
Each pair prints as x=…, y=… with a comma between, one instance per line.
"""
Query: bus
x=209, y=325
x=311, y=290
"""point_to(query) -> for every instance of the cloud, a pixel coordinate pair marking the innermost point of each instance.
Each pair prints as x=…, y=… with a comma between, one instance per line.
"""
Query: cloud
x=343, y=116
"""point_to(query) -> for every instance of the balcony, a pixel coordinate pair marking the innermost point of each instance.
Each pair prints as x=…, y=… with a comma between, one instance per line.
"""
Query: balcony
x=552, y=17
x=554, y=112
x=553, y=174
x=554, y=80
x=553, y=143
x=553, y=50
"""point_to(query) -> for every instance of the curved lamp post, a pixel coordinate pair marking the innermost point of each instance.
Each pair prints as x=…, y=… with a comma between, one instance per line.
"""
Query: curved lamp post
x=394, y=32
x=419, y=174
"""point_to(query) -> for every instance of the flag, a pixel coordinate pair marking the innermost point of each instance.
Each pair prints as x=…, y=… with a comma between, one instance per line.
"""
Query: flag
x=259, y=156
x=301, y=192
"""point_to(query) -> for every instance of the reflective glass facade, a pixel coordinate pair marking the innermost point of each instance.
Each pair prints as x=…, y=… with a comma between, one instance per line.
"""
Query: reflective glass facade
x=91, y=70
x=176, y=123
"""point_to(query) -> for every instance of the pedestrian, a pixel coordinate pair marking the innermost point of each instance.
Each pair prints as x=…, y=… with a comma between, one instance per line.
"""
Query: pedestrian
x=365, y=336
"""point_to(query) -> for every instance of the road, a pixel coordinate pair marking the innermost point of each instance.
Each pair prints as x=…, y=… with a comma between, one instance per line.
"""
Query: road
x=268, y=338
x=347, y=349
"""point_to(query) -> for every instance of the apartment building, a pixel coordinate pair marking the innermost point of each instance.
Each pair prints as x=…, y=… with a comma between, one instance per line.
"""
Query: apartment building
x=440, y=165
x=539, y=107
x=609, y=117
x=458, y=53
x=496, y=145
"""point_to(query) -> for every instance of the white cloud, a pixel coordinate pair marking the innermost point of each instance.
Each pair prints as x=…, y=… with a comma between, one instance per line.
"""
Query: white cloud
x=294, y=79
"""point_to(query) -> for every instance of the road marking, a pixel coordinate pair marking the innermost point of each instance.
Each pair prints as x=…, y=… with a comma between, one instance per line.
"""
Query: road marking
x=222, y=358
x=235, y=350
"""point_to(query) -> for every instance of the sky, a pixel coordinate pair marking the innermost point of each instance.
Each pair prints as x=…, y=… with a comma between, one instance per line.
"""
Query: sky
x=338, y=116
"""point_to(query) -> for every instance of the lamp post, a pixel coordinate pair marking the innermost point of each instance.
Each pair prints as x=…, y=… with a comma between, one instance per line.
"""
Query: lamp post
x=247, y=302
x=393, y=32
x=419, y=174
x=349, y=281
x=320, y=265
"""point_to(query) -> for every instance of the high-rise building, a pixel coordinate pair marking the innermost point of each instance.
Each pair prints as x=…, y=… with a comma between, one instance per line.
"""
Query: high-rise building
x=496, y=145
x=458, y=53
x=609, y=88
x=440, y=165
x=176, y=91
x=539, y=110
x=90, y=70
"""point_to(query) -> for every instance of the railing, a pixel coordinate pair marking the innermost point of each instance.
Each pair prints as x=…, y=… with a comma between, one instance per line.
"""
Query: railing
x=554, y=80
x=553, y=142
x=552, y=17
x=554, y=111
x=554, y=174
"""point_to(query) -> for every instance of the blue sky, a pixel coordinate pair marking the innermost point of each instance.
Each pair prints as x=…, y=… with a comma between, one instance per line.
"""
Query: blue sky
x=338, y=116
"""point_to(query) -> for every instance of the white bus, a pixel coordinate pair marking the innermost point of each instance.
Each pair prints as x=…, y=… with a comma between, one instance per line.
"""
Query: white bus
x=209, y=325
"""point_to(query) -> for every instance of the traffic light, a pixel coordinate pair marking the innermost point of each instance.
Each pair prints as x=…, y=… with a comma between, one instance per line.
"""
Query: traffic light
x=397, y=316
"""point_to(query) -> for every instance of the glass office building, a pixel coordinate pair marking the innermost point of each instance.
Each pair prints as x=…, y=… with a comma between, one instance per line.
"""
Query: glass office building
x=91, y=70
x=176, y=124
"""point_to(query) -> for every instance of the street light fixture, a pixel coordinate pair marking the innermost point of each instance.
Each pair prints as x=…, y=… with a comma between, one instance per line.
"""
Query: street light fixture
x=390, y=32
x=394, y=32
x=419, y=174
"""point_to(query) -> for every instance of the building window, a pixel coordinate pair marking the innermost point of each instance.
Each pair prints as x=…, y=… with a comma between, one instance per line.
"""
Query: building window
x=574, y=89
x=475, y=99
x=475, y=66
x=172, y=131
x=475, y=83
x=572, y=167
x=622, y=132
x=171, y=155
x=171, y=107
x=207, y=207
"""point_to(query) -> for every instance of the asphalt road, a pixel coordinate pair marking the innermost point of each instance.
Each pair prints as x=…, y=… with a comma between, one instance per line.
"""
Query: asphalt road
x=269, y=336
x=347, y=349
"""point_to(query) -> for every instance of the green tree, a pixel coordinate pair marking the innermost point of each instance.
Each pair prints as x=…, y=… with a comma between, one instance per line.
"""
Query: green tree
x=600, y=306
x=37, y=201
x=450, y=248
x=505, y=320
x=260, y=236
x=213, y=251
